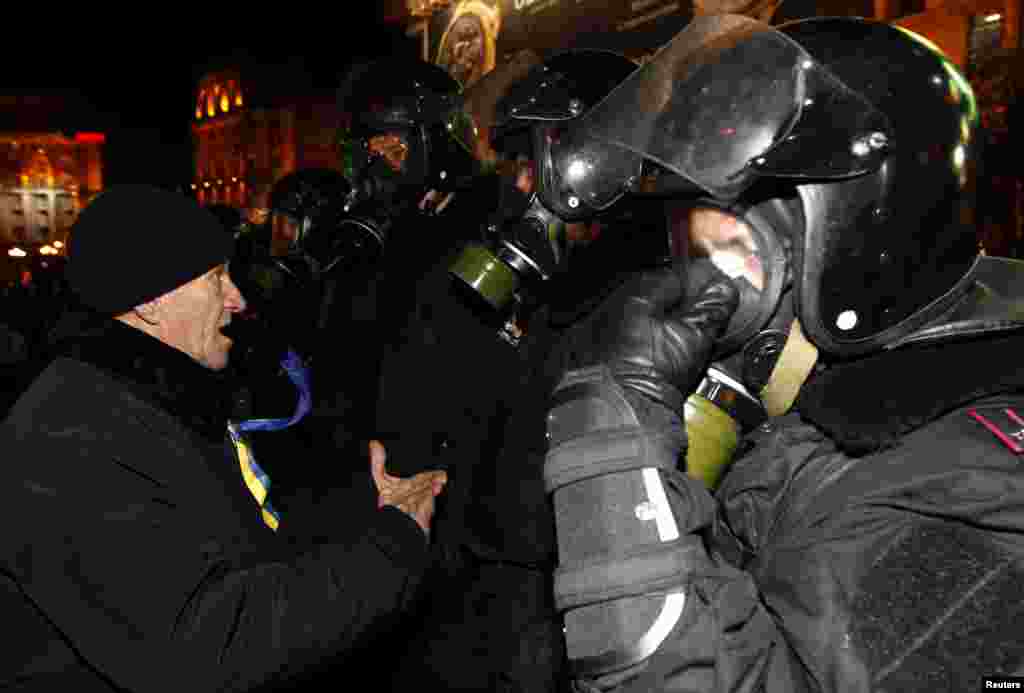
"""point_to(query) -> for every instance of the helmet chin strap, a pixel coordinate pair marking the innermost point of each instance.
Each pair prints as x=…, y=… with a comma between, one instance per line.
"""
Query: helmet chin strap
x=790, y=373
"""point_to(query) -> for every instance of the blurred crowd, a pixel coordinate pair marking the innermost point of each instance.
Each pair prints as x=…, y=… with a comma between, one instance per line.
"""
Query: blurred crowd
x=29, y=313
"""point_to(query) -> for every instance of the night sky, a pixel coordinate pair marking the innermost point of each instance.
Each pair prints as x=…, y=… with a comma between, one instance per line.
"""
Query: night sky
x=136, y=82
x=132, y=73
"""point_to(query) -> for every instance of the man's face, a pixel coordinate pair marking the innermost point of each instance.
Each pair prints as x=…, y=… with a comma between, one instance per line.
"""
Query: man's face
x=192, y=316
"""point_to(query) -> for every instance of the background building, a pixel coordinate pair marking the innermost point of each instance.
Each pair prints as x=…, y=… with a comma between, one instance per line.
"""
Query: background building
x=46, y=178
x=251, y=129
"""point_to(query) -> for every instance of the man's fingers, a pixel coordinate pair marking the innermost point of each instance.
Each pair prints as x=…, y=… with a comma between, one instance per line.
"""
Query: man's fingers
x=438, y=475
x=430, y=477
x=404, y=493
x=377, y=459
x=410, y=488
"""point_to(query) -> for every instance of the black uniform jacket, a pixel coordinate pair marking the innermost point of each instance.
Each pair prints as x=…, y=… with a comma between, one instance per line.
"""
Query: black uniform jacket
x=132, y=556
x=455, y=395
x=871, y=541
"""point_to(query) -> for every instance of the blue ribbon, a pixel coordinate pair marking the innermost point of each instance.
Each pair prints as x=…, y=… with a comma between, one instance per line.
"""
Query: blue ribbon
x=300, y=377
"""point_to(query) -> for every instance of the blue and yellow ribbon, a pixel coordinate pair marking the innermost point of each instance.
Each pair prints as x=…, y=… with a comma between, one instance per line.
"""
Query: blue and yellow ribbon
x=255, y=478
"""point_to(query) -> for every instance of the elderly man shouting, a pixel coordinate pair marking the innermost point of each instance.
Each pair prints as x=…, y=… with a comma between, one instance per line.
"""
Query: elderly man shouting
x=139, y=550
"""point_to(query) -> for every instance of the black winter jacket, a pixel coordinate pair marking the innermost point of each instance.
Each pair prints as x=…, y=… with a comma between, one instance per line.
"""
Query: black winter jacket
x=133, y=556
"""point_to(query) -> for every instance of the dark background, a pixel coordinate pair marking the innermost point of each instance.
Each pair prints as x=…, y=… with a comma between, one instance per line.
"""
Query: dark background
x=133, y=75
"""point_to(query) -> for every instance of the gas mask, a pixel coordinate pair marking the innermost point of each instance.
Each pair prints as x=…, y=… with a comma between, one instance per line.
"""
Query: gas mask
x=311, y=236
x=762, y=357
x=400, y=171
x=523, y=246
x=528, y=108
x=531, y=237
x=385, y=171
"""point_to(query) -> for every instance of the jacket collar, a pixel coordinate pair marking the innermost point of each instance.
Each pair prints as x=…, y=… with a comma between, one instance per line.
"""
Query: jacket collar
x=870, y=404
x=160, y=374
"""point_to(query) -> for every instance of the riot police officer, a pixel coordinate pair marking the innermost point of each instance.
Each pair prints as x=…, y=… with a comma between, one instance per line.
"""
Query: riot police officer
x=480, y=290
x=869, y=534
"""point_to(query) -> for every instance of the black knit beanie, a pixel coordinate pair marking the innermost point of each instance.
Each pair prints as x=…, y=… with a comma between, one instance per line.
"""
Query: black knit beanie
x=133, y=243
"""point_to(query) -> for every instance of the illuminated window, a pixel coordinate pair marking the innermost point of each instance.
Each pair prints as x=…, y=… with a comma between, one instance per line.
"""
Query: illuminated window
x=236, y=92
x=211, y=106
x=225, y=101
x=199, y=105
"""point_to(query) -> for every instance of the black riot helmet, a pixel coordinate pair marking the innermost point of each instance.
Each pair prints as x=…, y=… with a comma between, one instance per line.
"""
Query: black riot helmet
x=248, y=274
x=405, y=134
x=288, y=266
x=555, y=94
x=527, y=237
x=229, y=217
x=307, y=208
x=872, y=130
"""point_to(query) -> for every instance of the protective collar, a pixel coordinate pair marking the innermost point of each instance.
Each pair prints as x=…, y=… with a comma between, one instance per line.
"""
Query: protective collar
x=869, y=404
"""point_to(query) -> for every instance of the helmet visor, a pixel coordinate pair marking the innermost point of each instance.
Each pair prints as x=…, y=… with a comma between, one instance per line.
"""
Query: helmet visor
x=729, y=99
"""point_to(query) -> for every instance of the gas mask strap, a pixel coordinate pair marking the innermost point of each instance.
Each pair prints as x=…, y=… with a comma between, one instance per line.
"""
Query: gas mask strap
x=791, y=371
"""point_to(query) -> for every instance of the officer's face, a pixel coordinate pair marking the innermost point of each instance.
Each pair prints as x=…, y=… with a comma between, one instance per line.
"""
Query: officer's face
x=284, y=233
x=392, y=147
x=727, y=241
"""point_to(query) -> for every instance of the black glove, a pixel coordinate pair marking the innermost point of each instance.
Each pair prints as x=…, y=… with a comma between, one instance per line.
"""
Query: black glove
x=655, y=333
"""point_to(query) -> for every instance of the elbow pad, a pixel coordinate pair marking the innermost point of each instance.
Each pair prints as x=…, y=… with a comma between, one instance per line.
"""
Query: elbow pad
x=624, y=552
